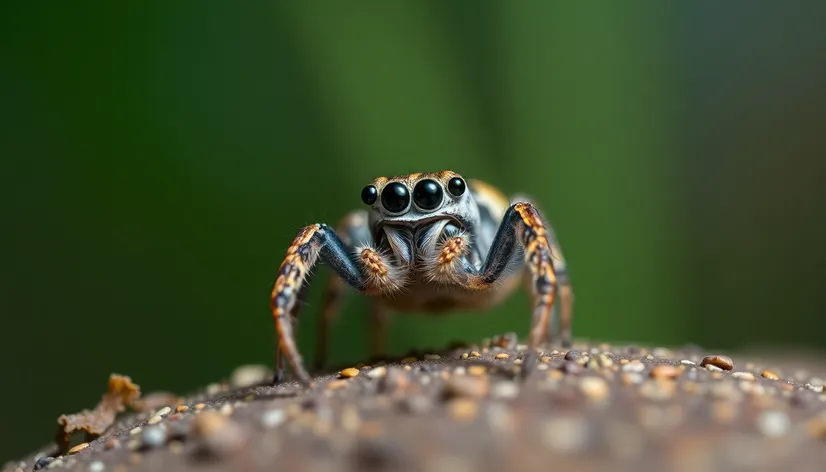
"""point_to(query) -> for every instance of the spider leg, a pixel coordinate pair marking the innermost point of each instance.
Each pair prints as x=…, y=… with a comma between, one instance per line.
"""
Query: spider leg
x=313, y=243
x=280, y=359
x=353, y=230
x=522, y=226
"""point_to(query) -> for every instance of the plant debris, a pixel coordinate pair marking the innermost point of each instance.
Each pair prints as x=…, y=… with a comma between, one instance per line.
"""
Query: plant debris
x=121, y=393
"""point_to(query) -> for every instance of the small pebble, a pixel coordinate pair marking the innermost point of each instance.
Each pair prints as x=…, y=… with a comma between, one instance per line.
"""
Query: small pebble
x=135, y=430
x=111, y=443
x=273, y=418
x=722, y=362
x=153, y=437
x=377, y=372
x=463, y=409
x=666, y=371
x=687, y=362
x=658, y=390
x=773, y=423
x=463, y=356
x=409, y=360
x=474, y=354
x=217, y=434
x=501, y=355
x=814, y=388
x=181, y=408
x=573, y=368
x=604, y=361
x=394, y=380
x=155, y=420
x=432, y=357
x=595, y=388
x=55, y=463
x=634, y=366
x=743, y=375
x=348, y=373
x=631, y=378
x=78, y=448
x=96, y=466
x=477, y=370
x=337, y=384
x=466, y=386
x=200, y=406
x=572, y=355
x=42, y=462
x=163, y=411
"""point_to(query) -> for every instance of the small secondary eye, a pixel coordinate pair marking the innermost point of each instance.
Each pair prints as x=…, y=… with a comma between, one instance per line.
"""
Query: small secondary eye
x=369, y=195
x=395, y=197
x=427, y=194
x=456, y=186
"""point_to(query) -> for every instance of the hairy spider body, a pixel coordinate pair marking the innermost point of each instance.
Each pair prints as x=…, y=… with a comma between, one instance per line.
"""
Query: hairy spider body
x=428, y=242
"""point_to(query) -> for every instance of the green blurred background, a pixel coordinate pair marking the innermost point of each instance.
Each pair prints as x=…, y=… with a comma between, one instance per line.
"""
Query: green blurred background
x=157, y=160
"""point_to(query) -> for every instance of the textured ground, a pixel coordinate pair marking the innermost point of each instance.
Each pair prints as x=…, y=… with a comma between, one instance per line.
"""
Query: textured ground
x=597, y=407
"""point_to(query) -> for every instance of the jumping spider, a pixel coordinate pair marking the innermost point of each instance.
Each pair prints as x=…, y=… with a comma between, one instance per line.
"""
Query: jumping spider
x=427, y=242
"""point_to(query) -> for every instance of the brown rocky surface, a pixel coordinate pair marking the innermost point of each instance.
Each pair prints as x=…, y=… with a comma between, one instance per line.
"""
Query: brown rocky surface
x=594, y=407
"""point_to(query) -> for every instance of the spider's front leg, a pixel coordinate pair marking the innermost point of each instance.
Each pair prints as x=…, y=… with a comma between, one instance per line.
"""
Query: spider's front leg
x=354, y=232
x=523, y=225
x=313, y=243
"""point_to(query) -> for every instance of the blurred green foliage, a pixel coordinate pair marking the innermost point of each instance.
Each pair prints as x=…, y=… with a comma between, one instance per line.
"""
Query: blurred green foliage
x=159, y=157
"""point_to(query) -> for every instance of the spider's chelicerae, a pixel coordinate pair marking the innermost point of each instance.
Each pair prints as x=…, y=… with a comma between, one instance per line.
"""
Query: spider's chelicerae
x=427, y=242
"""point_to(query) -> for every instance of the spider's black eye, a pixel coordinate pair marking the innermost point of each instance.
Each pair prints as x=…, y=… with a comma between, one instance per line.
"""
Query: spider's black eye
x=395, y=197
x=456, y=186
x=427, y=194
x=369, y=195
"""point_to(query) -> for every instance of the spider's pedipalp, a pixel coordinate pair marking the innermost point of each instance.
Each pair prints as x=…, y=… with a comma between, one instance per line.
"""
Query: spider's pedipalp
x=381, y=275
x=446, y=263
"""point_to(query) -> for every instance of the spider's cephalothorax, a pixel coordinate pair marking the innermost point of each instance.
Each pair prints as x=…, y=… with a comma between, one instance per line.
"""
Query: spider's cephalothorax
x=426, y=242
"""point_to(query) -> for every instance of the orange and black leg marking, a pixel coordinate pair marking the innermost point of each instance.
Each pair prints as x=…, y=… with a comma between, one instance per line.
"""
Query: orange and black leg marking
x=312, y=243
x=523, y=226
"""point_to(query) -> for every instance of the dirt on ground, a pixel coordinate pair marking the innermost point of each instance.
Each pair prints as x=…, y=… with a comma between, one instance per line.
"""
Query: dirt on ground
x=594, y=407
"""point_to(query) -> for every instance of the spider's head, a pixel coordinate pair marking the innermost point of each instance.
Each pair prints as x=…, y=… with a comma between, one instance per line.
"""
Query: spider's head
x=417, y=200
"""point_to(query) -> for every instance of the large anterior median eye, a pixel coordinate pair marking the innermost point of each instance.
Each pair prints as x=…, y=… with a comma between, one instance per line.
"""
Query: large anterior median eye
x=395, y=197
x=427, y=194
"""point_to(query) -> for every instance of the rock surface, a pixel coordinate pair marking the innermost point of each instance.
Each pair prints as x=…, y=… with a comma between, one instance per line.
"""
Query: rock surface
x=594, y=407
